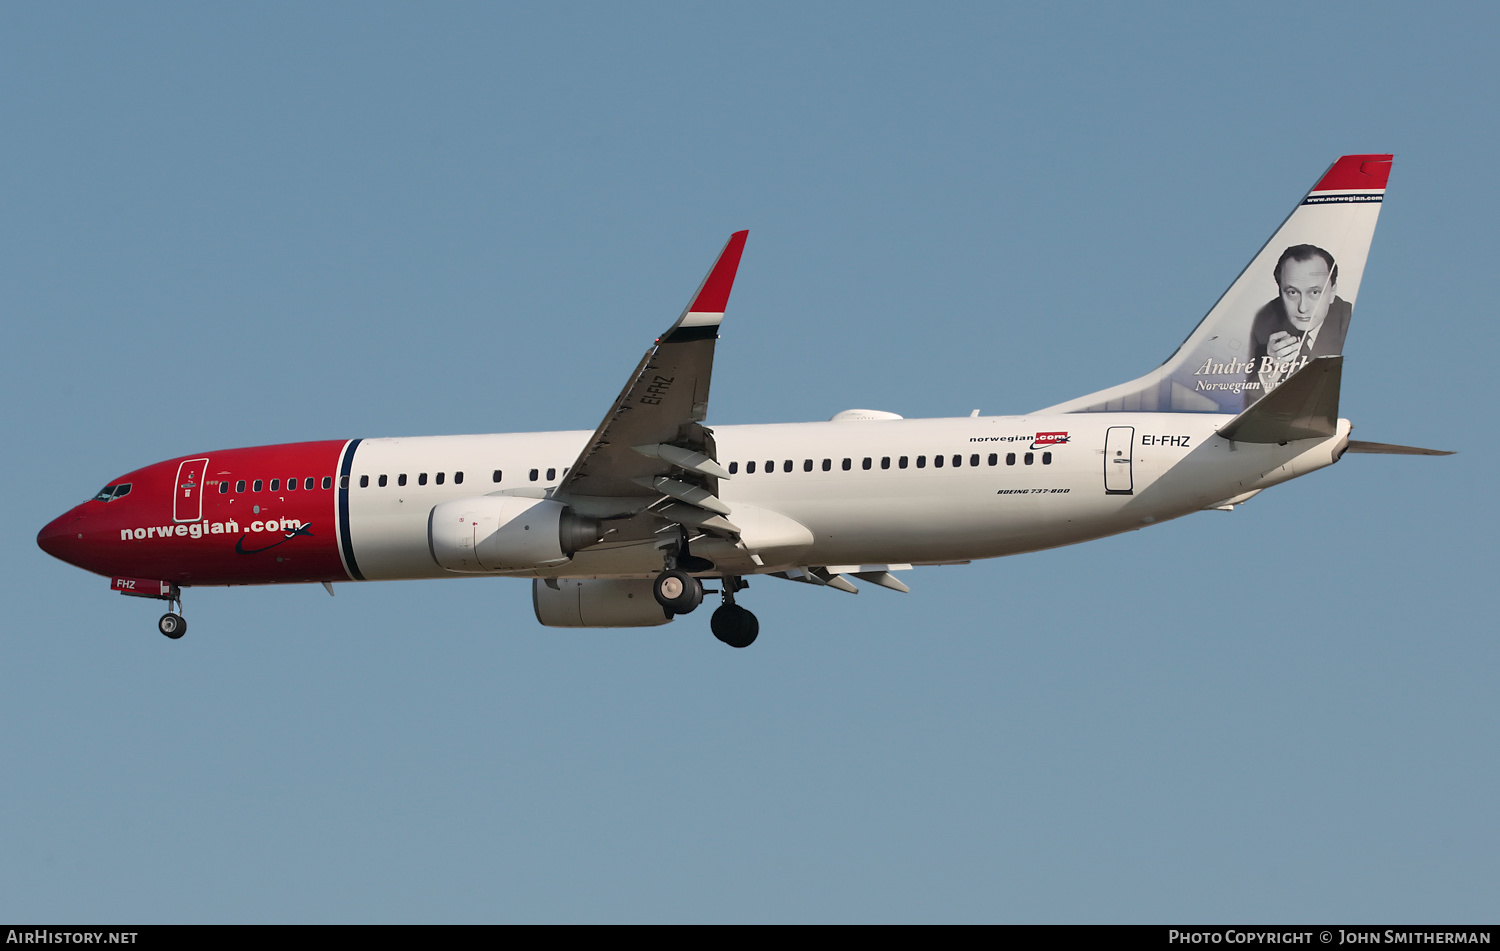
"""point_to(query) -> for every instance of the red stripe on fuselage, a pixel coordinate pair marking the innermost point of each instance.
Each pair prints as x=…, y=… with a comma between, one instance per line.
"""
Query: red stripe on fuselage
x=243, y=537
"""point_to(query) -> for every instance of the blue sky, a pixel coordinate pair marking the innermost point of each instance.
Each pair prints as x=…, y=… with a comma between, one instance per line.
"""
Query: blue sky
x=237, y=226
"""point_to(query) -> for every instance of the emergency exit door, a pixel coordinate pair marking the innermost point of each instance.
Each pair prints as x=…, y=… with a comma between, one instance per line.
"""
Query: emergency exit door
x=187, y=500
x=1119, y=446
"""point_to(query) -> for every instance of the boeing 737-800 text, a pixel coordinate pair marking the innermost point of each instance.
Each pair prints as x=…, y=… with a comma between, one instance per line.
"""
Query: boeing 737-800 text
x=620, y=526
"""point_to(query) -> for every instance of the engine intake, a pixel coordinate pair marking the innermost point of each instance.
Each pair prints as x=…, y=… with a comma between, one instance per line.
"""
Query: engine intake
x=505, y=533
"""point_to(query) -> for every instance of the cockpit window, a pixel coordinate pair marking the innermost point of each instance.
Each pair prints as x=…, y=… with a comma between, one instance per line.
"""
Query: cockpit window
x=110, y=492
x=122, y=490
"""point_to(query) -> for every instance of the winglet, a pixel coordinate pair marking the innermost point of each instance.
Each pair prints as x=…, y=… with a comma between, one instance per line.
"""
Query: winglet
x=707, y=306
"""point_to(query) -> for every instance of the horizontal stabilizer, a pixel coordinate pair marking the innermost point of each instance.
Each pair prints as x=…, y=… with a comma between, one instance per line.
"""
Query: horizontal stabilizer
x=1386, y=449
x=1306, y=406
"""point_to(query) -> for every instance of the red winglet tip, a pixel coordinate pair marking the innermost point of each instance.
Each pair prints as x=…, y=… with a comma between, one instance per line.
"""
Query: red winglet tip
x=1356, y=173
x=714, y=296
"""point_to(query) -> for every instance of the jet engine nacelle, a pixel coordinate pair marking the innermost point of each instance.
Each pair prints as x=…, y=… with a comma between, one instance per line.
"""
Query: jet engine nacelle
x=596, y=603
x=505, y=533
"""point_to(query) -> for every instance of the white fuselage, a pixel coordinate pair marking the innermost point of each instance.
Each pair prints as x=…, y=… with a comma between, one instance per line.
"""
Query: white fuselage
x=1159, y=466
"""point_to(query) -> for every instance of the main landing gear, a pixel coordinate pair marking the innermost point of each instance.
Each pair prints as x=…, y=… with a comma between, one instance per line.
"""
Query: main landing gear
x=731, y=623
x=680, y=593
x=677, y=591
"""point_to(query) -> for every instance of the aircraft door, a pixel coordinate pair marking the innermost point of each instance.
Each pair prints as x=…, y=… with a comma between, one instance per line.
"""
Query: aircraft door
x=187, y=502
x=1119, y=446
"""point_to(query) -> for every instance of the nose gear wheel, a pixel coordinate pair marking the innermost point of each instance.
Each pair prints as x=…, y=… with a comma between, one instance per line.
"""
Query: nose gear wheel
x=172, y=625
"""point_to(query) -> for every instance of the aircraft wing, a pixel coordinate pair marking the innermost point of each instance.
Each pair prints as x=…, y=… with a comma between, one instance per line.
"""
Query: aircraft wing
x=652, y=448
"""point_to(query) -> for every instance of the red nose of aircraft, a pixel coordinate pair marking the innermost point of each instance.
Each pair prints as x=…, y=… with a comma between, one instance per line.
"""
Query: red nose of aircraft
x=62, y=537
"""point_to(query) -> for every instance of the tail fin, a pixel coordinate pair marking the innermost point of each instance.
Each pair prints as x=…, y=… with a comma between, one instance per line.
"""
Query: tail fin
x=1290, y=305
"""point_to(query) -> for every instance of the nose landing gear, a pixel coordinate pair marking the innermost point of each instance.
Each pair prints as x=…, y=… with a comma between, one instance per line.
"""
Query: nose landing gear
x=172, y=625
x=731, y=623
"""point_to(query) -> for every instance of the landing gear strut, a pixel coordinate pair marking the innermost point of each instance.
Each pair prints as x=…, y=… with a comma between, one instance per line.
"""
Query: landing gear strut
x=731, y=623
x=172, y=623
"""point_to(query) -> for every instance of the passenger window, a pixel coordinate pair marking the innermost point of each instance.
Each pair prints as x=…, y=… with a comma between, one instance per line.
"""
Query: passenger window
x=958, y=461
x=551, y=475
x=401, y=479
x=937, y=462
x=275, y=485
x=1030, y=458
x=770, y=465
x=786, y=466
x=239, y=486
x=308, y=483
x=382, y=480
x=901, y=462
x=422, y=478
x=534, y=475
x=1010, y=458
x=438, y=478
x=364, y=482
x=750, y=467
x=494, y=478
x=974, y=459
x=734, y=467
x=458, y=478
x=827, y=465
x=223, y=488
x=994, y=459
x=328, y=482
x=806, y=465
x=258, y=485
x=291, y=485
x=1046, y=458
x=921, y=462
x=866, y=463
x=885, y=462
x=847, y=464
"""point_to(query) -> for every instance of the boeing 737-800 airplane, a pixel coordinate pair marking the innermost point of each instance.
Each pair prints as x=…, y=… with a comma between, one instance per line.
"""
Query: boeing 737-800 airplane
x=619, y=527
